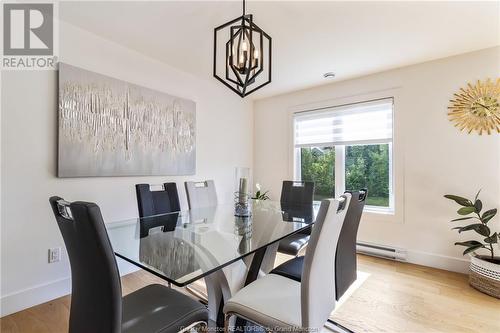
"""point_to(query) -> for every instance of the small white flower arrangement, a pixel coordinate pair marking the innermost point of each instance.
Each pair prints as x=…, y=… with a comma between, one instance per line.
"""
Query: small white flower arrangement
x=260, y=195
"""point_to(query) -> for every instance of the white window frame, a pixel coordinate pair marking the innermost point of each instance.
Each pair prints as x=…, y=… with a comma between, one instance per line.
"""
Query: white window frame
x=339, y=173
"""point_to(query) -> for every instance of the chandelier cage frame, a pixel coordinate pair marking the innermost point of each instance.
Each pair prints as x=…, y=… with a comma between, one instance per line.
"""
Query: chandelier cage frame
x=243, y=65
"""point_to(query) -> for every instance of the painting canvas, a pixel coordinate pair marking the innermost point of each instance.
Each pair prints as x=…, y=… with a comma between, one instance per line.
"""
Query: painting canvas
x=108, y=127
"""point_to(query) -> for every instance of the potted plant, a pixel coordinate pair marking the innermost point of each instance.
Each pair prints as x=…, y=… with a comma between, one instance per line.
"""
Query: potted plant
x=259, y=195
x=484, y=273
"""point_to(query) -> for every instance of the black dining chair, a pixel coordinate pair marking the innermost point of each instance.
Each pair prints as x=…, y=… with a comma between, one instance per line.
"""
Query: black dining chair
x=295, y=194
x=97, y=304
x=165, y=223
x=165, y=200
x=345, y=259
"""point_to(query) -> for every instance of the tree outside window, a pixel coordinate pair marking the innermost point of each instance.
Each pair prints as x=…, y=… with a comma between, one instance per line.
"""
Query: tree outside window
x=347, y=147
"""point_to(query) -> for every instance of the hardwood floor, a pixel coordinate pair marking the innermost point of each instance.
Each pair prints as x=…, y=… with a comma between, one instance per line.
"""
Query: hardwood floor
x=401, y=297
x=394, y=297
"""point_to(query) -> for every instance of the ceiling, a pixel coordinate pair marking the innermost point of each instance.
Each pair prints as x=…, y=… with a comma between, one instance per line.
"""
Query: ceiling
x=309, y=38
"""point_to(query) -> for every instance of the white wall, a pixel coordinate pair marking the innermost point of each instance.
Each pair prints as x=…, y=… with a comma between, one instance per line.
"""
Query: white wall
x=29, y=144
x=432, y=158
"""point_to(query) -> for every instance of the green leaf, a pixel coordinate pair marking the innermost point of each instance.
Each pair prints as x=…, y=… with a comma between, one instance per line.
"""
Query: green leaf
x=488, y=215
x=264, y=195
x=477, y=227
x=472, y=248
x=477, y=195
x=468, y=243
x=464, y=218
x=478, y=205
x=459, y=200
x=492, y=239
x=466, y=210
x=261, y=196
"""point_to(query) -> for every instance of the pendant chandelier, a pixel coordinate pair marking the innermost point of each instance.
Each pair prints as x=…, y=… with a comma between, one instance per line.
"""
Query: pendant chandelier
x=246, y=66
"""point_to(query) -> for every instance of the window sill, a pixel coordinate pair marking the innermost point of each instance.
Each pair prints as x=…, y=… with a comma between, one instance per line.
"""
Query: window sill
x=371, y=209
x=378, y=215
x=379, y=210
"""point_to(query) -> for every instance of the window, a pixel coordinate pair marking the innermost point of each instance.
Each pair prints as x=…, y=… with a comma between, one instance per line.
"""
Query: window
x=367, y=166
x=347, y=147
x=318, y=165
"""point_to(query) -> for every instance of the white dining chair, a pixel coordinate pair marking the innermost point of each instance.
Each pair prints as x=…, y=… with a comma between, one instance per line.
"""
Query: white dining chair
x=201, y=194
x=279, y=303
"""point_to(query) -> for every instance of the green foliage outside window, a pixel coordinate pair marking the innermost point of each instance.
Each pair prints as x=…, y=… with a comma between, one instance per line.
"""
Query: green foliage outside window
x=318, y=165
x=366, y=166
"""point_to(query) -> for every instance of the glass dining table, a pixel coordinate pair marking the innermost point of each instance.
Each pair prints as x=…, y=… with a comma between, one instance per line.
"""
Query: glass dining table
x=211, y=243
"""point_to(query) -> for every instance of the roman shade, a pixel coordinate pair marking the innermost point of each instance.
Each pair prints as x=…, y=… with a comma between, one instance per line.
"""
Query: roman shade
x=360, y=123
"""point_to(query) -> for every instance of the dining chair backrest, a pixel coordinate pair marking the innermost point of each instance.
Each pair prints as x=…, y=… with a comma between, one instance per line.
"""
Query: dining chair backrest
x=201, y=194
x=151, y=202
x=96, y=298
x=345, y=260
x=318, y=272
x=295, y=193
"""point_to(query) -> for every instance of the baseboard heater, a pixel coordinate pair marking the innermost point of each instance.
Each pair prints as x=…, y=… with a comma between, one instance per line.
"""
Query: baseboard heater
x=381, y=251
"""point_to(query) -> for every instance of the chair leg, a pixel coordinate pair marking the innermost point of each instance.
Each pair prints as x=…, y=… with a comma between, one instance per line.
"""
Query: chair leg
x=227, y=317
x=203, y=328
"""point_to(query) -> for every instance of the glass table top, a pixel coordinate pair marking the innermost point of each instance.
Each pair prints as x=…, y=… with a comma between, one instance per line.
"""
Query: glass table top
x=184, y=246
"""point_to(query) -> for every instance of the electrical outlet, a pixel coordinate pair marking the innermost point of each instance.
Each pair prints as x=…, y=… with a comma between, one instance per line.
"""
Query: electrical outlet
x=54, y=255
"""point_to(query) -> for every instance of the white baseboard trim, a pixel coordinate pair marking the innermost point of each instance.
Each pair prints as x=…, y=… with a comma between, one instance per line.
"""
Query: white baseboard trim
x=29, y=297
x=42, y=293
x=460, y=265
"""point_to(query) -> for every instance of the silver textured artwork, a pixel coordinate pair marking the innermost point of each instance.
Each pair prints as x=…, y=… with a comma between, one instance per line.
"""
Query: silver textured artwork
x=108, y=127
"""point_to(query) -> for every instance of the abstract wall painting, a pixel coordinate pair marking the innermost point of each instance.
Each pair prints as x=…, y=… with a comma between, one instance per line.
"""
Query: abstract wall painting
x=108, y=127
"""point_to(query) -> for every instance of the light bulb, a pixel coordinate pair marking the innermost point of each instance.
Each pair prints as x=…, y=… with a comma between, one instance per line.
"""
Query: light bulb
x=244, y=46
x=256, y=53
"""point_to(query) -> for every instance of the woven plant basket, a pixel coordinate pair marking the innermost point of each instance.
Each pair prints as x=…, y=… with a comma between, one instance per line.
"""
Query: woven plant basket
x=485, y=276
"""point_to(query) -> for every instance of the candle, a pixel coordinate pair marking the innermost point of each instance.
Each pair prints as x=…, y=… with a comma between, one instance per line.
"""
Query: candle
x=243, y=190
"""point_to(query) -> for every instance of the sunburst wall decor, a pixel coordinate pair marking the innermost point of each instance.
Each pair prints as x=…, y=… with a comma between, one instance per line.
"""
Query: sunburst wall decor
x=477, y=107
